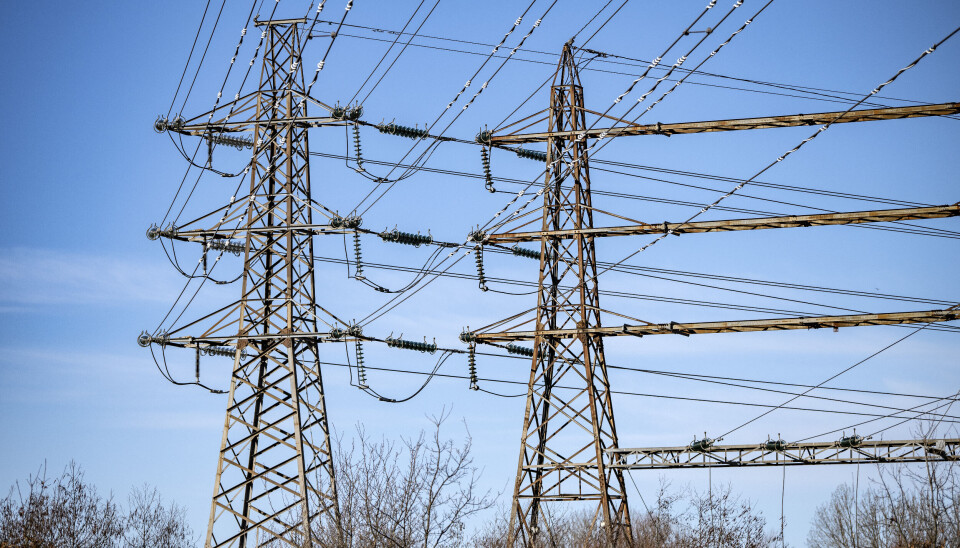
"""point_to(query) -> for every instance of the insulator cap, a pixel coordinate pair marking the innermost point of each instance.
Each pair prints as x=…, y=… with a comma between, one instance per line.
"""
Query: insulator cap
x=146, y=339
x=702, y=445
x=468, y=336
x=403, y=131
x=850, y=441
x=239, y=143
x=153, y=232
x=225, y=351
x=531, y=154
x=355, y=113
x=524, y=252
x=774, y=445
x=519, y=350
x=160, y=124
x=477, y=236
x=484, y=137
x=411, y=345
x=345, y=222
x=408, y=238
x=231, y=246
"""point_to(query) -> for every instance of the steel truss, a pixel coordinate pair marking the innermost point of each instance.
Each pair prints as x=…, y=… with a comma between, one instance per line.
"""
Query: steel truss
x=786, y=221
x=565, y=437
x=741, y=326
x=275, y=478
x=868, y=115
x=557, y=460
x=778, y=453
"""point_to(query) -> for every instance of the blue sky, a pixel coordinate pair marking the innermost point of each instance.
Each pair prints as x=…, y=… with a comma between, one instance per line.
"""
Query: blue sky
x=84, y=175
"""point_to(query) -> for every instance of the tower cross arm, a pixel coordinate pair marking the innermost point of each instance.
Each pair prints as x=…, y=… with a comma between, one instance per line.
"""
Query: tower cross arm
x=867, y=115
x=788, y=221
x=742, y=326
x=778, y=453
x=247, y=125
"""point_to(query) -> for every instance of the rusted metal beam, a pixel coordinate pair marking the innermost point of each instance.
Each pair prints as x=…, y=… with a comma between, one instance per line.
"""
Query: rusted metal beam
x=869, y=115
x=776, y=324
x=789, y=221
x=778, y=453
x=247, y=125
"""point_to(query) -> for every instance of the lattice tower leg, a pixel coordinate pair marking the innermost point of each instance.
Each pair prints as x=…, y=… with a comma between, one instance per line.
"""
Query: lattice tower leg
x=275, y=479
x=566, y=432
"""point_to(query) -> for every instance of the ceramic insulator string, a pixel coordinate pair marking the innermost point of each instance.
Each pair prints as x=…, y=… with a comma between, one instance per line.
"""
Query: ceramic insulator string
x=481, y=277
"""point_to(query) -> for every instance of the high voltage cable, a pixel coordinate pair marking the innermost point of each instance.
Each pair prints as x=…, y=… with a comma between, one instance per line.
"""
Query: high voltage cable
x=435, y=373
x=910, y=228
x=431, y=147
x=628, y=269
x=629, y=89
x=204, y=56
x=792, y=87
x=422, y=272
x=878, y=352
x=792, y=188
x=190, y=56
x=613, y=293
x=604, y=57
x=621, y=392
x=226, y=77
x=949, y=401
x=386, y=53
x=780, y=186
x=774, y=391
x=840, y=100
x=822, y=129
x=396, y=301
x=385, y=72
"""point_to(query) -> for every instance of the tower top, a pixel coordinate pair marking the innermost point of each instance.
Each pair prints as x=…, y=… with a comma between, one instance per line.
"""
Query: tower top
x=277, y=22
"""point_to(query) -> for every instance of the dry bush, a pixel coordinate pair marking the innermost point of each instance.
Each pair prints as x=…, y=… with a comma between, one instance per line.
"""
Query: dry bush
x=67, y=512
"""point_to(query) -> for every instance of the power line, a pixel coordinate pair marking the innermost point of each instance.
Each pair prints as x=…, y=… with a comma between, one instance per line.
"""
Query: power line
x=821, y=94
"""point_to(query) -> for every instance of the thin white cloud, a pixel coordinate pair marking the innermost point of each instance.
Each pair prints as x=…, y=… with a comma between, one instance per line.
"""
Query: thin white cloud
x=32, y=277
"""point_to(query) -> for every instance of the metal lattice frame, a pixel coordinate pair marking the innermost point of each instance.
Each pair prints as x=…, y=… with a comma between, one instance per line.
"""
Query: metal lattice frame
x=779, y=453
x=275, y=475
x=565, y=436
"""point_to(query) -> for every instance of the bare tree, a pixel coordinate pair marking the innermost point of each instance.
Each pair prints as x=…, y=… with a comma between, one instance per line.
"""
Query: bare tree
x=905, y=506
x=150, y=523
x=416, y=492
x=721, y=518
x=676, y=520
x=65, y=512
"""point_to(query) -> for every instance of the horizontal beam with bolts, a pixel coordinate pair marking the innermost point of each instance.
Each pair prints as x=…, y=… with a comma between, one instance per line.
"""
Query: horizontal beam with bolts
x=239, y=232
x=788, y=221
x=776, y=324
x=247, y=125
x=866, y=451
x=870, y=115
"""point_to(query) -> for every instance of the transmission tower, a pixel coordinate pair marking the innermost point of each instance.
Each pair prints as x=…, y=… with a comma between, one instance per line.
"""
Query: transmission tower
x=275, y=475
x=275, y=478
x=564, y=437
x=569, y=444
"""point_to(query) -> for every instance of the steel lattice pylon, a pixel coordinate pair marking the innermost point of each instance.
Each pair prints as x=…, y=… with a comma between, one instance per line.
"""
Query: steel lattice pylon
x=275, y=475
x=565, y=435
